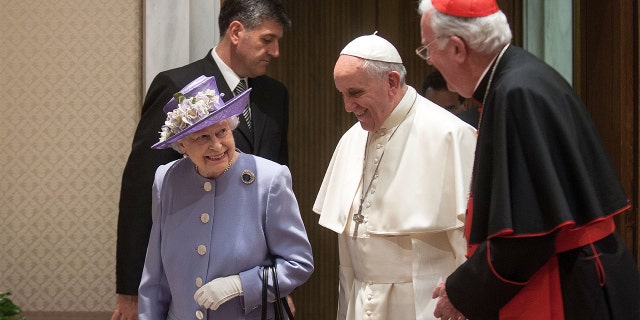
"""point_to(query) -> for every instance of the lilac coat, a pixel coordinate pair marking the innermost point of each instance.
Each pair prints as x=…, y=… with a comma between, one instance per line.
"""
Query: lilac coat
x=209, y=228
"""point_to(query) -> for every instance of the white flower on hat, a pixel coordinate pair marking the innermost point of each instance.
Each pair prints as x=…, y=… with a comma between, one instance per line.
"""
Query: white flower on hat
x=189, y=112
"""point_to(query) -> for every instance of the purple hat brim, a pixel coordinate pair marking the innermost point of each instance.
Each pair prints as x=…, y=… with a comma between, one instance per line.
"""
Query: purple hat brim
x=233, y=107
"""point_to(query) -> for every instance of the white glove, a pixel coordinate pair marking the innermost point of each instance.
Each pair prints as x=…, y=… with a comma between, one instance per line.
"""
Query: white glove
x=218, y=291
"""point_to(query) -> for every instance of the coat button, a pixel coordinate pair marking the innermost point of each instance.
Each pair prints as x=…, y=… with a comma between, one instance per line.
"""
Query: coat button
x=207, y=186
x=199, y=315
x=202, y=250
x=198, y=282
x=204, y=217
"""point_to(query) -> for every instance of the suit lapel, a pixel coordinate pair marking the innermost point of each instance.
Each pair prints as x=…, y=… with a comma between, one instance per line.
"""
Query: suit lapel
x=212, y=69
x=243, y=132
x=259, y=120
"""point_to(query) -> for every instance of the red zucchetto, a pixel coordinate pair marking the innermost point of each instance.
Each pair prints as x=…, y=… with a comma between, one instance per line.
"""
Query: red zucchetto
x=466, y=8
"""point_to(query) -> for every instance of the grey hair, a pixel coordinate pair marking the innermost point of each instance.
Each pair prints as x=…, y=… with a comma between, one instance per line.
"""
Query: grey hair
x=483, y=34
x=380, y=69
x=233, y=124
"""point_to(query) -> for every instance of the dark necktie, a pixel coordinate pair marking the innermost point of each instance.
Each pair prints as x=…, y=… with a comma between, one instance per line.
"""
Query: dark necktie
x=246, y=114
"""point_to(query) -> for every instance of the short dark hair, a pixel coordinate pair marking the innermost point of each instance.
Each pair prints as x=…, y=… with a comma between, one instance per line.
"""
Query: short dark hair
x=436, y=81
x=251, y=13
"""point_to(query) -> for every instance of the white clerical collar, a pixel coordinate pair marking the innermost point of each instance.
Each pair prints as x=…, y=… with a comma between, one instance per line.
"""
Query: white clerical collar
x=487, y=70
x=400, y=111
x=230, y=77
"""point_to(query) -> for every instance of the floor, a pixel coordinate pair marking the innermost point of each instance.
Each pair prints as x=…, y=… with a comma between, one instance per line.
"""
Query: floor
x=66, y=315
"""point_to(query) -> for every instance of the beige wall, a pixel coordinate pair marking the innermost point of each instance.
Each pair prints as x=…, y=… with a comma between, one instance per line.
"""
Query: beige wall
x=70, y=83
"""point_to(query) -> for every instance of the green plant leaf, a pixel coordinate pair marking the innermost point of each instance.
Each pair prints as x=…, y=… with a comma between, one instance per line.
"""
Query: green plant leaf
x=8, y=310
x=179, y=98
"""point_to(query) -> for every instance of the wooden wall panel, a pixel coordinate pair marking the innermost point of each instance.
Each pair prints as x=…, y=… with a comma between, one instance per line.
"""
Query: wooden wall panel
x=606, y=82
x=636, y=100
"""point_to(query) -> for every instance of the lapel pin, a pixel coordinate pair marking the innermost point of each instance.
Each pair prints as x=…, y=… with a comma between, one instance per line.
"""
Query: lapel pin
x=248, y=176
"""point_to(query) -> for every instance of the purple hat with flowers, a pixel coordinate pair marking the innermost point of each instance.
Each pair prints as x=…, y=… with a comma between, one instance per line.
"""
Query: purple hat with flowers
x=197, y=106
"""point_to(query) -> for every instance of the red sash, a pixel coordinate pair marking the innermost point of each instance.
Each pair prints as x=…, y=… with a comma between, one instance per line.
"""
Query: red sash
x=541, y=297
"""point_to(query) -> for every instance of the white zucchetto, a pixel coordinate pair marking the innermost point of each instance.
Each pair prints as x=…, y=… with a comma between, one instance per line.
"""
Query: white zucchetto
x=372, y=47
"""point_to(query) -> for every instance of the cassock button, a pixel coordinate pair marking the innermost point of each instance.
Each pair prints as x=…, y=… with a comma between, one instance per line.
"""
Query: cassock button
x=378, y=146
x=204, y=217
x=375, y=161
x=207, y=186
x=202, y=250
x=198, y=282
x=199, y=315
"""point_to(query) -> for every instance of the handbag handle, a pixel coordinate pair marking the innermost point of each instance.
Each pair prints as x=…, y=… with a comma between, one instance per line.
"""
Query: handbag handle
x=265, y=283
x=276, y=288
x=281, y=305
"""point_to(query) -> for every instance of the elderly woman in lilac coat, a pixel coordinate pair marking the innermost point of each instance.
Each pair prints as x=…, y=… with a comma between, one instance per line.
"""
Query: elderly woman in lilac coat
x=219, y=217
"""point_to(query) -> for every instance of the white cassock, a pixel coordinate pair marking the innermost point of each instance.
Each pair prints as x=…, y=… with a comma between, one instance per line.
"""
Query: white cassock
x=412, y=178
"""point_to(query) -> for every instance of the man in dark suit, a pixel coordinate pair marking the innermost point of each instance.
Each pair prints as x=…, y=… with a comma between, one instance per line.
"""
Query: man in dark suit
x=249, y=33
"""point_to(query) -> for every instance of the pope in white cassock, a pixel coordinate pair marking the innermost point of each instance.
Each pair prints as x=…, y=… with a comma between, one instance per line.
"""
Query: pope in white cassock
x=395, y=190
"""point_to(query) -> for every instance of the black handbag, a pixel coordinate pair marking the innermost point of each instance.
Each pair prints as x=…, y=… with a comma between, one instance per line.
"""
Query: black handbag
x=280, y=305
